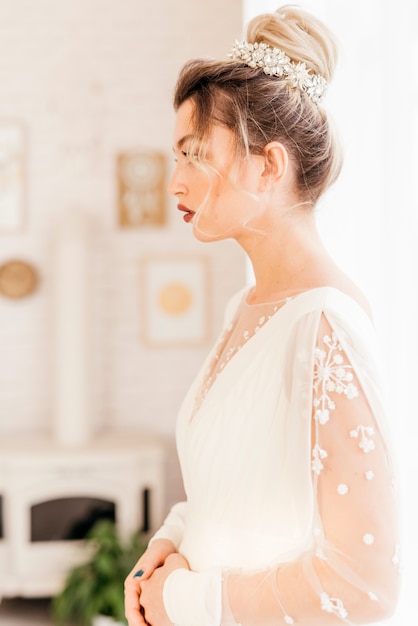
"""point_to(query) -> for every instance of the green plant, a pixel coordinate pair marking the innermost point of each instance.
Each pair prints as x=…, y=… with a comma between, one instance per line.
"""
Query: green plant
x=96, y=586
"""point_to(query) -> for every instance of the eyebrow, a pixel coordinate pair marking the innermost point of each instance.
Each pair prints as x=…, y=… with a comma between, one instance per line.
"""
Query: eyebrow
x=182, y=141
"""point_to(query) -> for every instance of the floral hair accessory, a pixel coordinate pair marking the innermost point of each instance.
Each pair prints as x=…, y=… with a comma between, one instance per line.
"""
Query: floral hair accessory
x=275, y=62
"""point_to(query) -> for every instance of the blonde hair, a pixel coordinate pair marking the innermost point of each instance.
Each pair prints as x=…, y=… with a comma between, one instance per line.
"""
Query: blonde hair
x=259, y=109
x=302, y=36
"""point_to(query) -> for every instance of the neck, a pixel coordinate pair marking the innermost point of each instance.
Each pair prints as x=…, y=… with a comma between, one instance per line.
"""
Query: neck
x=289, y=256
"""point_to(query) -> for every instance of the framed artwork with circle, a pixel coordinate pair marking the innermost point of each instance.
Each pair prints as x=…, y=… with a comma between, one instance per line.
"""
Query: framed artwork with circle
x=175, y=300
x=141, y=177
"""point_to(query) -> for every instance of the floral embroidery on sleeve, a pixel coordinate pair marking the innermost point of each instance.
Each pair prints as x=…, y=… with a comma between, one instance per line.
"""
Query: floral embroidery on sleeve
x=331, y=374
x=364, y=432
x=318, y=454
x=333, y=605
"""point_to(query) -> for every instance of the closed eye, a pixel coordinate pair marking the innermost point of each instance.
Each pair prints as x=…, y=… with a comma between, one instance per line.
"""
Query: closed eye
x=184, y=153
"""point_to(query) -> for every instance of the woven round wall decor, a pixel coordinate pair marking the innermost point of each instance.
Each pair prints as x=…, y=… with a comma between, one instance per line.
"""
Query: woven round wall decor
x=18, y=279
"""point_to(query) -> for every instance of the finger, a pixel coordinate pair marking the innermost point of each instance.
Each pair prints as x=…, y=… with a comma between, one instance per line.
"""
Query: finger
x=132, y=596
x=144, y=603
x=139, y=570
x=135, y=618
x=145, y=566
x=132, y=609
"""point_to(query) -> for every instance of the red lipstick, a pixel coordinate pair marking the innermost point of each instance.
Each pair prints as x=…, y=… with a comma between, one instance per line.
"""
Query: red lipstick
x=188, y=214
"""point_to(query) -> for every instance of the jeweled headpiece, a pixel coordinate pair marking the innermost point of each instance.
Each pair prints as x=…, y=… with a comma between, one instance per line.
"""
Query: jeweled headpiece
x=275, y=62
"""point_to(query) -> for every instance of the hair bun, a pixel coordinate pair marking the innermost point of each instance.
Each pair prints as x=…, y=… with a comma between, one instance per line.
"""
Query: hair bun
x=303, y=37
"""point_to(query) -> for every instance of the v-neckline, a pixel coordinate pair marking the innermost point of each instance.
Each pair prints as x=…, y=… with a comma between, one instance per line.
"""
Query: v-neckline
x=246, y=347
x=314, y=296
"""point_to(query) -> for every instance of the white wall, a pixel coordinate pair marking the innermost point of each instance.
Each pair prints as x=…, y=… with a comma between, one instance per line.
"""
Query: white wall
x=88, y=79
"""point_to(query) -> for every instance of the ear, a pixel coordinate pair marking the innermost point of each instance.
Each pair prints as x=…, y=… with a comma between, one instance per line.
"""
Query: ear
x=276, y=161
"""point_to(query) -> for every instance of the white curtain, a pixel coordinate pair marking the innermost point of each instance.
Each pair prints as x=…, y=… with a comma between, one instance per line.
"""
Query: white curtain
x=369, y=220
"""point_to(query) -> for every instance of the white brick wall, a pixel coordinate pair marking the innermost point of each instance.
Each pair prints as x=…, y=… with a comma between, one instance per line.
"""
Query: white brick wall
x=88, y=79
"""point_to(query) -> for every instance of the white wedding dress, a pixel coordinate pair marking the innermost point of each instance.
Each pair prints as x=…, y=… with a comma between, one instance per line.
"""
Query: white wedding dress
x=291, y=512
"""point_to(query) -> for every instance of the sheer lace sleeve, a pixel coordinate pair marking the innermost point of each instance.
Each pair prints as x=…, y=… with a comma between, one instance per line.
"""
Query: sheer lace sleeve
x=351, y=573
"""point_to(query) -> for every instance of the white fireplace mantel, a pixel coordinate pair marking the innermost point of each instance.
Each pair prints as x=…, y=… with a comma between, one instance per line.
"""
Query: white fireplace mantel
x=114, y=468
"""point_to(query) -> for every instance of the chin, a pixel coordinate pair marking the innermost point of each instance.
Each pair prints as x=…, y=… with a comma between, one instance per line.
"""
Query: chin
x=206, y=235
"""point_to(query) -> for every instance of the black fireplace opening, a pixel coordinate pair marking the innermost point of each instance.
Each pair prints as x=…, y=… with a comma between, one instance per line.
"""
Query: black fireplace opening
x=68, y=519
x=72, y=518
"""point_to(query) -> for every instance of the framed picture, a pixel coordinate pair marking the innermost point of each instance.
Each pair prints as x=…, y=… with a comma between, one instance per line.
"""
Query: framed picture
x=175, y=301
x=12, y=175
x=142, y=195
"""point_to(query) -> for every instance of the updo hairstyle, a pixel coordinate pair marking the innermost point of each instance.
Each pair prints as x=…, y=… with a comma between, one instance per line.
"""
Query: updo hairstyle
x=258, y=108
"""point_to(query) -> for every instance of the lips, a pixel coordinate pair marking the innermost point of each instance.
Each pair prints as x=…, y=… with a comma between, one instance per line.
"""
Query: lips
x=188, y=214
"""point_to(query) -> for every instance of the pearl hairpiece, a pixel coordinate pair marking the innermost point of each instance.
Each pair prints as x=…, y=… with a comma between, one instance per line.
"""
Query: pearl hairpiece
x=275, y=62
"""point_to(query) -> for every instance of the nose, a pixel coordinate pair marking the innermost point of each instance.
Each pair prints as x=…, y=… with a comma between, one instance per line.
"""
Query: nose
x=176, y=185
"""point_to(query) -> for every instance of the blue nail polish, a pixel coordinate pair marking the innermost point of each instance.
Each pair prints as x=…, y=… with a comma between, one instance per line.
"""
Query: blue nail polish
x=138, y=574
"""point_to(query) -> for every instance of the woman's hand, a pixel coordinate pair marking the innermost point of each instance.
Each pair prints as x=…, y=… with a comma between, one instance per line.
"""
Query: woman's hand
x=154, y=557
x=152, y=605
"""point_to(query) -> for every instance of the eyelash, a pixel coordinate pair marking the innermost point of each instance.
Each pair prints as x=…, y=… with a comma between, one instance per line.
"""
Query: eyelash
x=186, y=156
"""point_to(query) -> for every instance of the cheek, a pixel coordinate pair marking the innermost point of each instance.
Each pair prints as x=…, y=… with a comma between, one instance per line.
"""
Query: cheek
x=201, y=185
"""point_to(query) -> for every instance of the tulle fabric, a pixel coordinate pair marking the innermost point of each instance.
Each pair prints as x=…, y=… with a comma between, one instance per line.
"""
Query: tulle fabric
x=291, y=509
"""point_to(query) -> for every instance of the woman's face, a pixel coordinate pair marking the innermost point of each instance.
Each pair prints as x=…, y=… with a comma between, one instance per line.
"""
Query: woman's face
x=217, y=206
